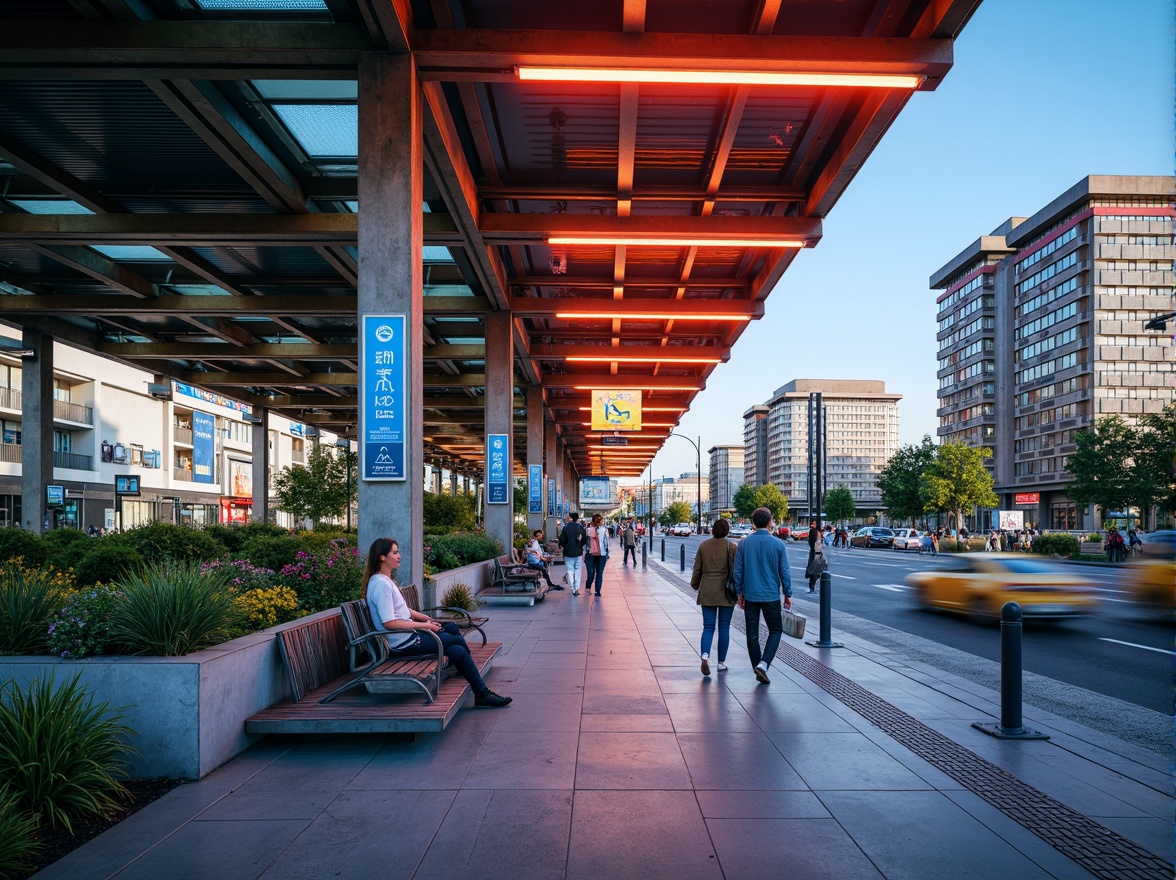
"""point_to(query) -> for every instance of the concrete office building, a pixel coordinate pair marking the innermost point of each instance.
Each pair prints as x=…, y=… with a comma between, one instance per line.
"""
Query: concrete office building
x=1041, y=333
x=726, y=476
x=755, y=445
x=861, y=433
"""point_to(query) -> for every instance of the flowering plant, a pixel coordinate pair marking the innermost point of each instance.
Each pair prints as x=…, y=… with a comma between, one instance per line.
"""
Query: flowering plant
x=82, y=627
x=243, y=574
x=264, y=608
x=325, y=580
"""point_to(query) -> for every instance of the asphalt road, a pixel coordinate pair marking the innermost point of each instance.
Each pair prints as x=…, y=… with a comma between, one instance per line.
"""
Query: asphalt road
x=1123, y=651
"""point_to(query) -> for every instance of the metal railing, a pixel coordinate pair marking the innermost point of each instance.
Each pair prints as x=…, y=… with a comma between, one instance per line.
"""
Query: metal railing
x=182, y=435
x=10, y=452
x=73, y=412
x=73, y=460
x=181, y=474
x=10, y=398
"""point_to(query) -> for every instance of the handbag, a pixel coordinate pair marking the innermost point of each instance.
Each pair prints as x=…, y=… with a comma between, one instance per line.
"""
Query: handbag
x=816, y=565
x=729, y=584
x=793, y=623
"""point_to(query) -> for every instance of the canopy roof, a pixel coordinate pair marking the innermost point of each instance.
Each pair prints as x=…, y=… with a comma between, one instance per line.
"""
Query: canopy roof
x=179, y=187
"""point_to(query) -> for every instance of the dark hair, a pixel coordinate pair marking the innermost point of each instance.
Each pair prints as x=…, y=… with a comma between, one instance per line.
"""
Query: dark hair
x=380, y=547
x=721, y=529
x=574, y=515
x=536, y=533
x=760, y=517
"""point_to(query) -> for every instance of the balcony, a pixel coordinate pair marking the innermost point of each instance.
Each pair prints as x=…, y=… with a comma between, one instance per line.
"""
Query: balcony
x=182, y=435
x=181, y=474
x=73, y=461
x=73, y=412
x=10, y=452
x=10, y=398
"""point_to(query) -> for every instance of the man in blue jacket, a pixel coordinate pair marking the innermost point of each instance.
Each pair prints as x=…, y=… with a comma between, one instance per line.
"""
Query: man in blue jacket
x=761, y=574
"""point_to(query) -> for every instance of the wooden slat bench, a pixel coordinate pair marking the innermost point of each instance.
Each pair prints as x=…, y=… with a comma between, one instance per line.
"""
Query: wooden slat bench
x=328, y=696
x=460, y=616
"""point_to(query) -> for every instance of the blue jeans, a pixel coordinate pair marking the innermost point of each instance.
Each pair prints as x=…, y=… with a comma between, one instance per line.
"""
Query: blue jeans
x=594, y=571
x=572, y=563
x=775, y=621
x=456, y=650
x=709, y=615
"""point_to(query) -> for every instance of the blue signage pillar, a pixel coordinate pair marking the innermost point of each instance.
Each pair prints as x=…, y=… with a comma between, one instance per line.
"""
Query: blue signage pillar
x=535, y=426
x=500, y=404
x=391, y=375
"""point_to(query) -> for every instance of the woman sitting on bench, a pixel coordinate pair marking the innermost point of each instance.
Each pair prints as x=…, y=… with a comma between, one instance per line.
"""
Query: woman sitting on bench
x=537, y=559
x=411, y=632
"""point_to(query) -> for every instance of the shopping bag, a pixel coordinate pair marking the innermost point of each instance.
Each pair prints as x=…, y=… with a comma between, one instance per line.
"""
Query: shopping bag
x=793, y=624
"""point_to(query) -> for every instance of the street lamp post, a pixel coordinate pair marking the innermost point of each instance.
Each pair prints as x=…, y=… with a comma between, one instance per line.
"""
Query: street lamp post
x=345, y=444
x=698, y=450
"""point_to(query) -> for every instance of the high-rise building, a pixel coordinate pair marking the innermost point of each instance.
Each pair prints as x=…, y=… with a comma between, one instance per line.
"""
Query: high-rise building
x=861, y=433
x=1041, y=332
x=726, y=476
x=755, y=445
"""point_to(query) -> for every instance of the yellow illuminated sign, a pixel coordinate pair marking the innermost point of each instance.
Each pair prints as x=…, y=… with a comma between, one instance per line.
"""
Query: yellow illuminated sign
x=617, y=409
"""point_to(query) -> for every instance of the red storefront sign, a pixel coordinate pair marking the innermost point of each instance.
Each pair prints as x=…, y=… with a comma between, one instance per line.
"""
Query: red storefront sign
x=1027, y=498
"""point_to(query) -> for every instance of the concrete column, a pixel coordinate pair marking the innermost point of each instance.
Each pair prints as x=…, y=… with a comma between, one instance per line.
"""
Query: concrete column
x=435, y=481
x=550, y=440
x=465, y=484
x=453, y=483
x=260, y=436
x=391, y=198
x=36, y=430
x=500, y=417
x=535, y=428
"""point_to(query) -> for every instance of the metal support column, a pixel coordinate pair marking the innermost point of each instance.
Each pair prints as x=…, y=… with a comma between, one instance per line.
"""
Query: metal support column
x=261, y=459
x=36, y=430
x=500, y=418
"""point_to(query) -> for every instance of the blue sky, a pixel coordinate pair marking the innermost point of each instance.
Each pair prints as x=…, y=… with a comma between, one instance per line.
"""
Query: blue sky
x=1041, y=95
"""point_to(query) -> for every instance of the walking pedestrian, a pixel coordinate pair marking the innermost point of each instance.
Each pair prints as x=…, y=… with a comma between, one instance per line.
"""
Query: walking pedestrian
x=629, y=542
x=714, y=563
x=597, y=554
x=761, y=574
x=572, y=540
x=816, y=565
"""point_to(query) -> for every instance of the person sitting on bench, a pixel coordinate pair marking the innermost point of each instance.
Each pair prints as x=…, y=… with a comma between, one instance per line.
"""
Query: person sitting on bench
x=411, y=632
x=537, y=559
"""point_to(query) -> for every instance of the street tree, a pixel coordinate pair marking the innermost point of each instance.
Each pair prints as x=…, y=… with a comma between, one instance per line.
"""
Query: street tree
x=1157, y=458
x=744, y=501
x=678, y=512
x=957, y=481
x=317, y=490
x=1104, y=467
x=770, y=496
x=839, y=504
x=899, y=479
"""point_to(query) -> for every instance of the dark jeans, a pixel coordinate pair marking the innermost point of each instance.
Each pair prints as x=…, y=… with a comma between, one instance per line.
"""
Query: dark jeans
x=456, y=650
x=775, y=621
x=594, y=572
x=629, y=550
x=541, y=566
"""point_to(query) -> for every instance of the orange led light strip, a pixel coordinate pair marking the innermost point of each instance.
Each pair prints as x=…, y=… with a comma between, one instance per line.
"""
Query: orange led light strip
x=651, y=316
x=670, y=409
x=718, y=77
x=637, y=241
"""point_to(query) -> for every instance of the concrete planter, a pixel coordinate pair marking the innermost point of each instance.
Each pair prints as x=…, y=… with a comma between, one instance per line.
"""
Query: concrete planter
x=188, y=712
x=477, y=575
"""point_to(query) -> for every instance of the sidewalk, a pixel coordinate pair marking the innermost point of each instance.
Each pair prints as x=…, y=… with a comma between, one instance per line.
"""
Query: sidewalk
x=618, y=759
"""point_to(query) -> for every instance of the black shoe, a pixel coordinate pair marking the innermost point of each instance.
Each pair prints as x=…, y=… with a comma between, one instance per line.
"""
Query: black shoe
x=762, y=675
x=554, y=588
x=811, y=590
x=492, y=700
x=598, y=594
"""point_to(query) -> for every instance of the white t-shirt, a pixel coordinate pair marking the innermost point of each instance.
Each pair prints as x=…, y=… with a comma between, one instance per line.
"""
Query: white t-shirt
x=386, y=603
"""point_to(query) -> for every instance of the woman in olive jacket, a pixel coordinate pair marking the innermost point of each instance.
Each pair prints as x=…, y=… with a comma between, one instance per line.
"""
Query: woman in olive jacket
x=713, y=562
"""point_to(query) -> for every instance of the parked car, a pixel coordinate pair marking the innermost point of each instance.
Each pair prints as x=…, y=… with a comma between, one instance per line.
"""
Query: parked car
x=979, y=586
x=682, y=530
x=740, y=530
x=872, y=536
x=906, y=539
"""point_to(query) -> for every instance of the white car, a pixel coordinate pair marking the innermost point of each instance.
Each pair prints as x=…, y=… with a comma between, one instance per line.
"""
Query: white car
x=906, y=539
x=740, y=531
x=682, y=530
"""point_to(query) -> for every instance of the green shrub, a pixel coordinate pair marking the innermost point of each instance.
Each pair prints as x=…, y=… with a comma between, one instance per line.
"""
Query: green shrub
x=18, y=843
x=106, y=561
x=62, y=755
x=230, y=537
x=271, y=551
x=325, y=580
x=445, y=552
x=459, y=595
x=26, y=545
x=172, y=608
x=58, y=539
x=29, y=600
x=159, y=541
x=82, y=627
x=445, y=513
x=1061, y=544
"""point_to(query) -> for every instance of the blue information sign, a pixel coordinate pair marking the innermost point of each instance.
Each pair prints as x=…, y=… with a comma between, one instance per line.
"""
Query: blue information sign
x=535, y=489
x=497, y=470
x=55, y=496
x=551, y=496
x=383, y=429
x=203, y=448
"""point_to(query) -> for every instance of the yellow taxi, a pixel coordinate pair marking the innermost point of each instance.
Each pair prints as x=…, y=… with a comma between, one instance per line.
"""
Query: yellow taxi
x=980, y=584
x=1151, y=579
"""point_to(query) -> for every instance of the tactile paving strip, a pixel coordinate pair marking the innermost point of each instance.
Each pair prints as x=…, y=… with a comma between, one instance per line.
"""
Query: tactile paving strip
x=1098, y=849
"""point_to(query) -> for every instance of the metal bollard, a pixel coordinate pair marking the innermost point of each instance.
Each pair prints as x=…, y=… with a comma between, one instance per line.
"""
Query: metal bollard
x=682, y=560
x=1011, y=639
x=826, y=631
x=644, y=555
x=663, y=556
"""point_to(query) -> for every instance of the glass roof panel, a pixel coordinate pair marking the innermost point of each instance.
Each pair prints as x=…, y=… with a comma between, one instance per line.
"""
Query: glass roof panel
x=432, y=253
x=265, y=5
x=323, y=129
x=307, y=89
x=131, y=252
x=50, y=206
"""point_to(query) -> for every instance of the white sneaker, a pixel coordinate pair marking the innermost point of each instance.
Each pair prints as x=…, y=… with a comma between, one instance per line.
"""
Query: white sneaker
x=722, y=666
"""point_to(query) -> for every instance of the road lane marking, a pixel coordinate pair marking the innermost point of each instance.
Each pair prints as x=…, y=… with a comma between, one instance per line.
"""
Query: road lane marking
x=1133, y=645
x=894, y=588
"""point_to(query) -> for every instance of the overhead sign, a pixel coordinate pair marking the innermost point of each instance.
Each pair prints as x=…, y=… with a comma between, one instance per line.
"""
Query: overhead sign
x=535, y=489
x=610, y=440
x=126, y=485
x=55, y=496
x=1027, y=498
x=383, y=430
x=203, y=448
x=596, y=492
x=497, y=470
x=617, y=409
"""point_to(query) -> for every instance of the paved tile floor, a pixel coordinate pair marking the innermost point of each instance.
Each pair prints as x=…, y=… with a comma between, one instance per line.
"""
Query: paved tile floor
x=618, y=759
